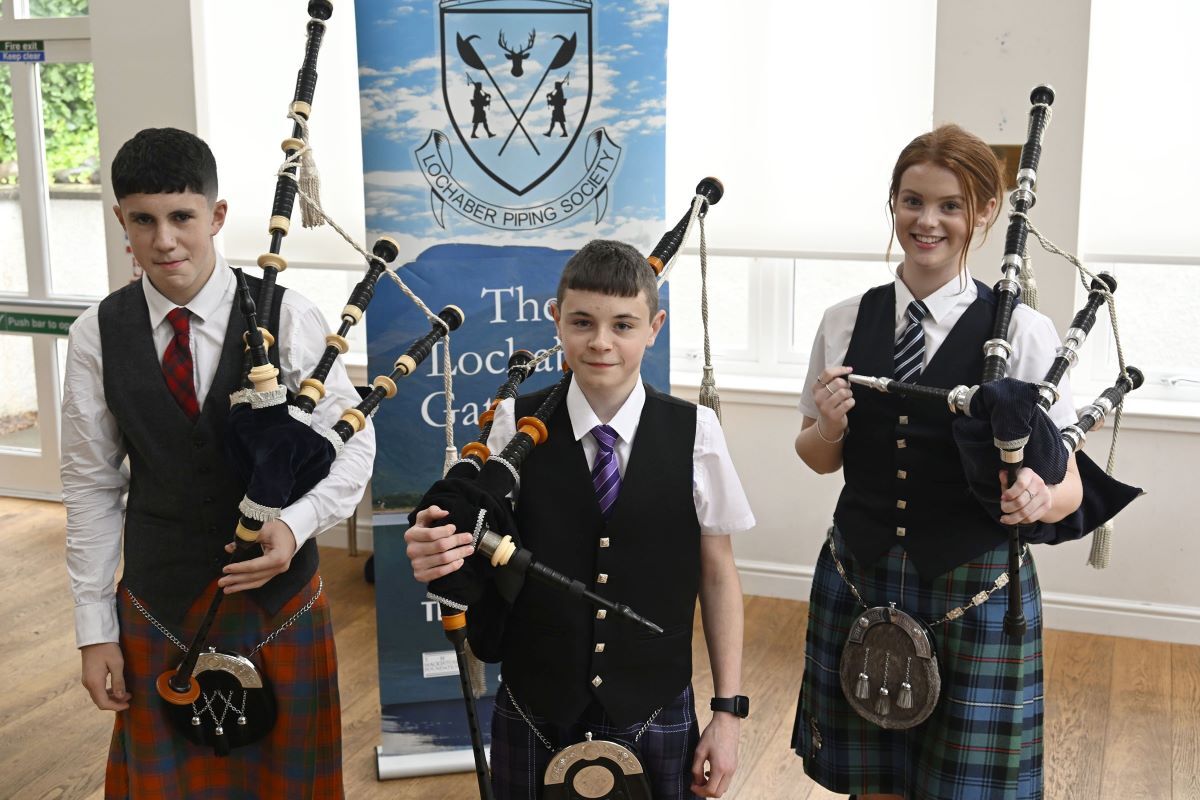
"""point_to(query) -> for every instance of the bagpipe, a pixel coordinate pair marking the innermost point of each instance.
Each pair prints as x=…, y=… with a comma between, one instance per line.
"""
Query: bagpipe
x=272, y=442
x=1002, y=422
x=475, y=493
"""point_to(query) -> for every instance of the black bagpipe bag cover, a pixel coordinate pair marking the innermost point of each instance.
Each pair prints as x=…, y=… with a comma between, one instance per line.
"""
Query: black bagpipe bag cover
x=279, y=458
x=487, y=591
x=1008, y=410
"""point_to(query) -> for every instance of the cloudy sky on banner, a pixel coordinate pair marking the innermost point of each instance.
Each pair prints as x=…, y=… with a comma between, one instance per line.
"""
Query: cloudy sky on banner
x=400, y=79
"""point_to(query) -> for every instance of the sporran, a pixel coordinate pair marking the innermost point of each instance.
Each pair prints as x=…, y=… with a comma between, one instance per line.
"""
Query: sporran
x=889, y=669
x=236, y=704
x=595, y=769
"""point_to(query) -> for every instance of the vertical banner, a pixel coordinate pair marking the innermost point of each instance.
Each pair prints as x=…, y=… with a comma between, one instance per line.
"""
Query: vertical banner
x=498, y=137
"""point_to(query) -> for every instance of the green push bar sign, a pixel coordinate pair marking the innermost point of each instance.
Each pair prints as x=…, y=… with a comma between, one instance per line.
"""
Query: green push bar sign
x=34, y=323
x=22, y=50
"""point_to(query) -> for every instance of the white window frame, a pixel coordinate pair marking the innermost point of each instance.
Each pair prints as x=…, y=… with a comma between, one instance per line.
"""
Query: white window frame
x=1172, y=387
x=771, y=362
x=67, y=40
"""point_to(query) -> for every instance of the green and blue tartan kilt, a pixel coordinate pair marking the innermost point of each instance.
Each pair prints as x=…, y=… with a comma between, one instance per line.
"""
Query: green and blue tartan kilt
x=300, y=758
x=984, y=739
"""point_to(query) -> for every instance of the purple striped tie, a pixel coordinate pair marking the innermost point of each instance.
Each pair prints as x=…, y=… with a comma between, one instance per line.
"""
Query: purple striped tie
x=606, y=478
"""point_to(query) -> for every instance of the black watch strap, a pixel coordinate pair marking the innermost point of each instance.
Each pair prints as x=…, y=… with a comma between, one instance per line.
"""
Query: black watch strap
x=739, y=705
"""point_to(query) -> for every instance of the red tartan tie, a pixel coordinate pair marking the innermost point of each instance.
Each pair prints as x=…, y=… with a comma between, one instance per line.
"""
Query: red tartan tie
x=177, y=364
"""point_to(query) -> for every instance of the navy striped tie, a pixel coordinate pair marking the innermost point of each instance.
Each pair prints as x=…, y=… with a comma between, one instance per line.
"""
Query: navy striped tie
x=606, y=478
x=910, y=347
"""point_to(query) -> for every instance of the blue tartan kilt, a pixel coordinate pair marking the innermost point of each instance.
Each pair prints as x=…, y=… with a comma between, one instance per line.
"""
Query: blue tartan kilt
x=519, y=758
x=984, y=739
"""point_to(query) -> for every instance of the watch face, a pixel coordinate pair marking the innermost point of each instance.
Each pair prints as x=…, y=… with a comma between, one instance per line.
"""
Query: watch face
x=739, y=705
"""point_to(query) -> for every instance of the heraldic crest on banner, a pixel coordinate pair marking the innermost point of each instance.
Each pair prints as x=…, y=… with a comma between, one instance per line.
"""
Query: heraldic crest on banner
x=517, y=84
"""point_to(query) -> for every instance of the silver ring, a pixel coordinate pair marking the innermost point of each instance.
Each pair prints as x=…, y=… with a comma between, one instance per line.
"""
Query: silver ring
x=829, y=389
x=1031, y=495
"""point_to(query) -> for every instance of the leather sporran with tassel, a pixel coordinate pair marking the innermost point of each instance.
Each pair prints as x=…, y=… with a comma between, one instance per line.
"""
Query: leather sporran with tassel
x=889, y=669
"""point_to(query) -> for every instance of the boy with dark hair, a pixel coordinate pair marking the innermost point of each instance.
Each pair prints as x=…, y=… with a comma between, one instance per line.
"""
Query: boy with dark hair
x=183, y=497
x=634, y=493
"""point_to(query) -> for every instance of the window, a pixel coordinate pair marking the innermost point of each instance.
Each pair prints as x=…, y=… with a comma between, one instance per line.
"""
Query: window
x=1140, y=170
x=57, y=8
x=52, y=250
x=804, y=127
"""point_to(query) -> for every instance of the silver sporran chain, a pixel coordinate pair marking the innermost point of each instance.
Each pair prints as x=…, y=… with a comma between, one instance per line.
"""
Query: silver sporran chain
x=287, y=624
x=546, y=742
x=224, y=698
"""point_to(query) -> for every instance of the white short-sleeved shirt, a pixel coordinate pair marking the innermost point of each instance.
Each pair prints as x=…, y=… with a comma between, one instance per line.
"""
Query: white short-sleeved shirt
x=721, y=504
x=1032, y=335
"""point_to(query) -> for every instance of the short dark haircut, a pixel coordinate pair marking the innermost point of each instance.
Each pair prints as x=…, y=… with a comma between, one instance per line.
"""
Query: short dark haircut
x=612, y=268
x=164, y=161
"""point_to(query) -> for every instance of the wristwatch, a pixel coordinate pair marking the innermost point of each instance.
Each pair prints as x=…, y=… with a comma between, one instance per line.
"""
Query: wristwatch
x=738, y=705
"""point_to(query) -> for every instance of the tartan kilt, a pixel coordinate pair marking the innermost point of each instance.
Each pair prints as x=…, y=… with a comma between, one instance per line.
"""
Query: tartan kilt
x=984, y=739
x=302, y=755
x=519, y=758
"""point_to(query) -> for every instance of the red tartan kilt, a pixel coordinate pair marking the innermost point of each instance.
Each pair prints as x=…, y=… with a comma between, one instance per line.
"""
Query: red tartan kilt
x=300, y=758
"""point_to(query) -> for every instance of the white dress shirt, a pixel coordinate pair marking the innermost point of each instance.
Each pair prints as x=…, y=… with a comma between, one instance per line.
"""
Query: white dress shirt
x=721, y=504
x=94, y=473
x=1031, y=334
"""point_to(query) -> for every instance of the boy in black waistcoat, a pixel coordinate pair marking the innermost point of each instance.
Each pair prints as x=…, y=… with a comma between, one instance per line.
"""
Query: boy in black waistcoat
x=634, y=493
x=148, y=376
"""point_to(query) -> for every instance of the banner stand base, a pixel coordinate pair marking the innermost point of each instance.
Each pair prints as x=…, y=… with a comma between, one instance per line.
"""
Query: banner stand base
x=388, y=767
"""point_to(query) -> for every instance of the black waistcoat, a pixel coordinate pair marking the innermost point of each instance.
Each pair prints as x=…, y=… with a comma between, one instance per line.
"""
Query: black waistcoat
x=558, y=655
x=904, y=481
x=183, y=495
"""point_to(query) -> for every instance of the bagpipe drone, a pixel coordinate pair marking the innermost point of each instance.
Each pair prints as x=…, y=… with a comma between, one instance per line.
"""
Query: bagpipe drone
x=475, y=599
x=218, y=698
x=1003, y=422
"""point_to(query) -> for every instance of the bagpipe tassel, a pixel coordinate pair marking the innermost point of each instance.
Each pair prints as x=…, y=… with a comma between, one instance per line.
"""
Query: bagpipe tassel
x=1029, y=287
x=708, y=392
x=475, y=674
x=1101, y=554
x=1101, y=546
x=310, y=186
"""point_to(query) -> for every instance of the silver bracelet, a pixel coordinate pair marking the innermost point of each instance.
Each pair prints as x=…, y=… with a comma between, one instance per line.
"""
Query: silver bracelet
x=830, y=441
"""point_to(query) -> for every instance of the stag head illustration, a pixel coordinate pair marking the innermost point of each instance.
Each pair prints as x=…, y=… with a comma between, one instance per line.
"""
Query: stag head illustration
x=517, y=57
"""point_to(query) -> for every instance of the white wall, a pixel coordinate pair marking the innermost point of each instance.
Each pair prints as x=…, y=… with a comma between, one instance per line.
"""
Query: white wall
x=144, y=78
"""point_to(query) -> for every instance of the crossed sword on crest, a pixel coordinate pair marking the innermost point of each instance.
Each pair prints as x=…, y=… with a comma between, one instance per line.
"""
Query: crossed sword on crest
x=468, y=53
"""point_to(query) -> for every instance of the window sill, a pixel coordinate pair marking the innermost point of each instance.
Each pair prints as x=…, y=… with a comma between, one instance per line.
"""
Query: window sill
x=1141, y=413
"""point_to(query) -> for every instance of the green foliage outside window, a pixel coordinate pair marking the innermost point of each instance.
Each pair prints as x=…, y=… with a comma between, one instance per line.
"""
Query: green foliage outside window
x=68, y=111
x=58, y=8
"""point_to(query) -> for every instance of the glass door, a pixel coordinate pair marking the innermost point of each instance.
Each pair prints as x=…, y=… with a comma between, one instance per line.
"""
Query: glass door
x=52, y=255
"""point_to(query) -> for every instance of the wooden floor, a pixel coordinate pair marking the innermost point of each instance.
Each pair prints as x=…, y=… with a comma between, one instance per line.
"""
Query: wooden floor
x=1123, y=716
